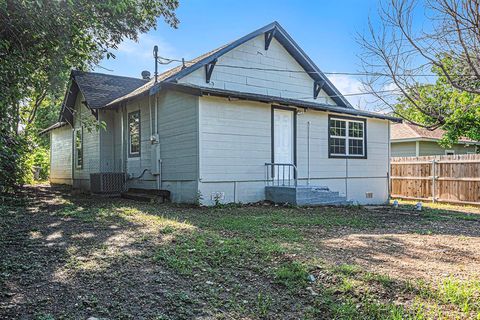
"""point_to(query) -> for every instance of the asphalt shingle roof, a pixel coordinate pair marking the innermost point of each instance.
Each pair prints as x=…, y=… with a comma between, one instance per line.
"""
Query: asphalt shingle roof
x=100, y=89
x=162, y=76
x=406, y=130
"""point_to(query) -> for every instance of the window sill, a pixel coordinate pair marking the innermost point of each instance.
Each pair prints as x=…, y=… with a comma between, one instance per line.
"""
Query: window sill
x=332, y=156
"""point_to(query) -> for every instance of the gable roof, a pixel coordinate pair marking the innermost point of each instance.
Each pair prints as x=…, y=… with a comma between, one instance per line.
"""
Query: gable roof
x=99, y=89
x=174, y=74
x=411, y=132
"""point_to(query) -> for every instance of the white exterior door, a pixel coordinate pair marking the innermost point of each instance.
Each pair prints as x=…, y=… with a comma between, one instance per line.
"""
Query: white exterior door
x=283, y=142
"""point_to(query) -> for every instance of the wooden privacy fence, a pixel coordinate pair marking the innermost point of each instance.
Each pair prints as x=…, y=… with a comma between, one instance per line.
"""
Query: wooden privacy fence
x=454, y=178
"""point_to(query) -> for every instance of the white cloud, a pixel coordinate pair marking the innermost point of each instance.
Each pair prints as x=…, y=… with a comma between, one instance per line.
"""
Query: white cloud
x=353, y=89
x=131, y=57
x=361, y=99
x=143, y=49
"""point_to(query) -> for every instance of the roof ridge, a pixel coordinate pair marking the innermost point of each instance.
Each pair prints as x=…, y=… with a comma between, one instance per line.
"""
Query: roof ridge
x=107, y=74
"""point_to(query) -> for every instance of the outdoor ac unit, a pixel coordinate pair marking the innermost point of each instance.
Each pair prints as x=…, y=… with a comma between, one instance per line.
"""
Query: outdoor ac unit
x=107, y=183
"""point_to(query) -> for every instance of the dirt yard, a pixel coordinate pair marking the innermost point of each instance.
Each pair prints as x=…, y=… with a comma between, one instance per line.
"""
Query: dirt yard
x=65, y=256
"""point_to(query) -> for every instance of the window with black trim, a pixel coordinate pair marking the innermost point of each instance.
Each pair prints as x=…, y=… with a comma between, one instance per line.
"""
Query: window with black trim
x=346, y=138
x=79, y=148
x=134, y=134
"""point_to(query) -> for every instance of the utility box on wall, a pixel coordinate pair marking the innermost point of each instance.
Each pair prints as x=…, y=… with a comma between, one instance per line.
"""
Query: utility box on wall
x=155, y=155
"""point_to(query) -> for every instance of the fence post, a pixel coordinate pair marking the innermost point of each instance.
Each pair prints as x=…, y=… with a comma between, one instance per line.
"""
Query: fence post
x=434, y=173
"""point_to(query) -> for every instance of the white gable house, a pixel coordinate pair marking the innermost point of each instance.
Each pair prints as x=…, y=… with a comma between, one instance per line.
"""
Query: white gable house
x=253, y=120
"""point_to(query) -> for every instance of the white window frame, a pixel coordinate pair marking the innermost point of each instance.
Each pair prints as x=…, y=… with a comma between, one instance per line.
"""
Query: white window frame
x=347, y=138
x=450, y=152
x=135, y=154
x=76, y=131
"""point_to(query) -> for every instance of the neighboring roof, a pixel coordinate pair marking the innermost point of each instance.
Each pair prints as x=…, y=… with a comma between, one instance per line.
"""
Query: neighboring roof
x=100, y=89
x=202, y=91
x=173, y=75
x=407, y=131
x=54, y=126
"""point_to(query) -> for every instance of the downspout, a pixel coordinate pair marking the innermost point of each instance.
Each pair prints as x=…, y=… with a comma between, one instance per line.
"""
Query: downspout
x=152, y=124
x=124, y=158
x=308, y=153
x=346, y=178
x=73, y=155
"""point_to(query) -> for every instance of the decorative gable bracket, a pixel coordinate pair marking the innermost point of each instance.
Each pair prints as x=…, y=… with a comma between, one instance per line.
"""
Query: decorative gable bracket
x=209, y=69
x=317, y=86
x=268, y=38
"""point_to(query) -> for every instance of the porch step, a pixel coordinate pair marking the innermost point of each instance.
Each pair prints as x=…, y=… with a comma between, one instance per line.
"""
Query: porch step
x=305, y=195
x=147, y=195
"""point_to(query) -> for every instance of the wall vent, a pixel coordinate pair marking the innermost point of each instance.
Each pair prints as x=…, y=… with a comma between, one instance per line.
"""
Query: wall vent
x=217, y=196
x=369, y=195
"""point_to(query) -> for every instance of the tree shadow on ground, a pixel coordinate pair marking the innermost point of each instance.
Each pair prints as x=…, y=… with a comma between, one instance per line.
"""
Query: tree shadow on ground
x=76, y=256
x=68, y=256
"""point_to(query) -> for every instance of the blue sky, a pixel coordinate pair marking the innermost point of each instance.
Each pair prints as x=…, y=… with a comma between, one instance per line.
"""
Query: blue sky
x=326, y=30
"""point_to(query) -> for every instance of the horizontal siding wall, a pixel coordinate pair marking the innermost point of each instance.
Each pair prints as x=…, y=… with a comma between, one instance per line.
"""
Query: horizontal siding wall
x=108, y=160
x=61, y=156
x=177, y=122
x=136, y=165
x=403, y=149
x=178, y=129
x=252, y=54
x=235, y=143
x=91, y=145
x=428, y=148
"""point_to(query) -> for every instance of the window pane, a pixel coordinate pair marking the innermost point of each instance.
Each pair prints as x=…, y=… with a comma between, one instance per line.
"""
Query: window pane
x=337, y=128
x=355, y=129
x=79, y=147
x=337, y=146
x=355, y=147
x=134, y=132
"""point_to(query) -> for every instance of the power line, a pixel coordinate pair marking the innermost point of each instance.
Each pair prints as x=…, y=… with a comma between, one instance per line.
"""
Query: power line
x=165, y=61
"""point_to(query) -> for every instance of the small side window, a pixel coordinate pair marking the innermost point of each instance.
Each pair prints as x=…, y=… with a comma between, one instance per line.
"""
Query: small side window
x=449, y=152
x=134, y=134
x=79, y=148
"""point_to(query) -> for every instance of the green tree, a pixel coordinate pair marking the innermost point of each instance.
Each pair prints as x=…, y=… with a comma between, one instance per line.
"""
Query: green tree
x=458, y=110
x=40, y=41
x=427, y=52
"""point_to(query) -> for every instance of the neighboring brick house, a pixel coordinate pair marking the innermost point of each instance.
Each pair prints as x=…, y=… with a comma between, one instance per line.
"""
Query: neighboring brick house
x=409, y=140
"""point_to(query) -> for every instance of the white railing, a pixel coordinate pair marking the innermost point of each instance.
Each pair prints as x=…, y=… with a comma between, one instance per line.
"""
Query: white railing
x=280, y=174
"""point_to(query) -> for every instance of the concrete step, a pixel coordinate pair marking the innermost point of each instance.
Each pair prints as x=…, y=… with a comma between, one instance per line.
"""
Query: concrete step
x=147, y=195
x=305, y=195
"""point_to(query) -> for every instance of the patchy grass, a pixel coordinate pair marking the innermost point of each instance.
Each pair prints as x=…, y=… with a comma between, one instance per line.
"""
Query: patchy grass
x=70, y=257
x=443, y=211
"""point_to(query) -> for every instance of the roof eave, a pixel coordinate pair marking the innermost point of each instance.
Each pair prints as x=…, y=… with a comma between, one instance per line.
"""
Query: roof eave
x=425, y=139
x=203, y=91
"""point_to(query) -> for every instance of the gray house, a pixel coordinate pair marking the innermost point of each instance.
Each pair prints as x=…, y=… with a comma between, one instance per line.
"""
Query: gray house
x=409, y=140
x=251, y=120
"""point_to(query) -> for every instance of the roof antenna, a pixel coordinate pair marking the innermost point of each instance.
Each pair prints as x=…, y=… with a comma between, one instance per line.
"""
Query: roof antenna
x=183, y=63
x=155, y=55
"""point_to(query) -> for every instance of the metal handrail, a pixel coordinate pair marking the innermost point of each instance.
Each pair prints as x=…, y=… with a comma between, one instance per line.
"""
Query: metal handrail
x=273, y=175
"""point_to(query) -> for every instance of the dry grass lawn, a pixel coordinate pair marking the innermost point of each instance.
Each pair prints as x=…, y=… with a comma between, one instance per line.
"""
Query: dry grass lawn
x=65, y=256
